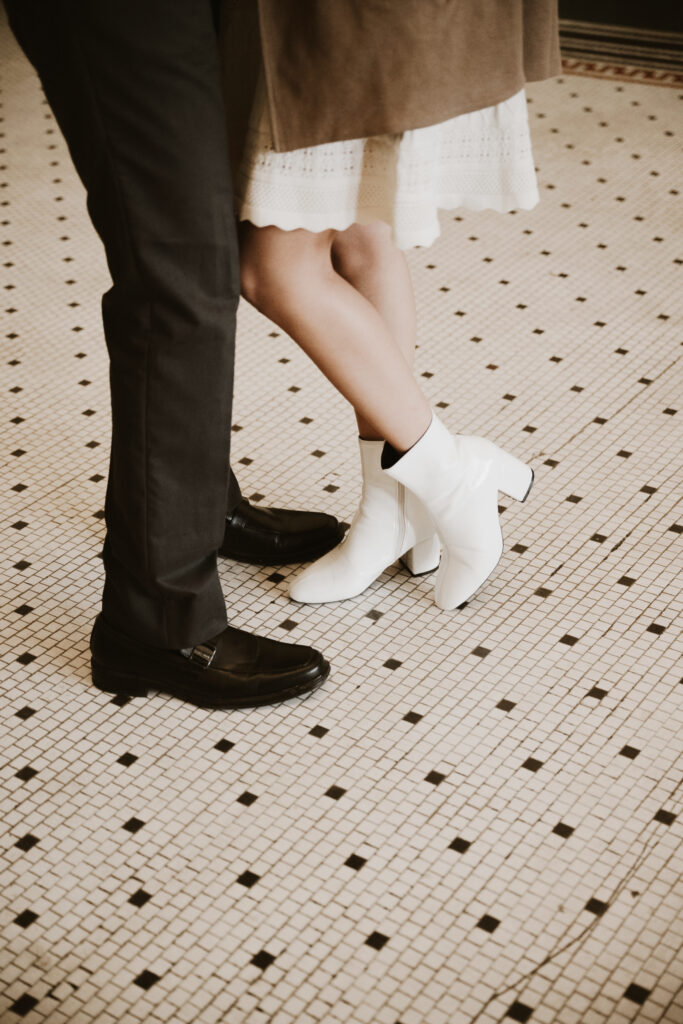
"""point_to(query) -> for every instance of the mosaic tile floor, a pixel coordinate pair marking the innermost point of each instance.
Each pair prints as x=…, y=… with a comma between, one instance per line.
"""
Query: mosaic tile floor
x=478, y=817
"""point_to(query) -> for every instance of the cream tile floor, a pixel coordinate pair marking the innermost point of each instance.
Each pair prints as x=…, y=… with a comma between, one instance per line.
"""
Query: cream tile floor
x=478, y=817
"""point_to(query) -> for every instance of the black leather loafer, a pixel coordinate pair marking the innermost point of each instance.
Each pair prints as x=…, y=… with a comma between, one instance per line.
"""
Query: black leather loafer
x=233, y=670
x=277, y=536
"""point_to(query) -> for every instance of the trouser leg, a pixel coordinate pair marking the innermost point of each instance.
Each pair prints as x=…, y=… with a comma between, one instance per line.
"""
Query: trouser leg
x=135, y=88
x=234, y=493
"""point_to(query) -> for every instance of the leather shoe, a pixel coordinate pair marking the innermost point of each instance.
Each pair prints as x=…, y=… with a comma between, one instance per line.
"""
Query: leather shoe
x=234, y=669
x=277, y=536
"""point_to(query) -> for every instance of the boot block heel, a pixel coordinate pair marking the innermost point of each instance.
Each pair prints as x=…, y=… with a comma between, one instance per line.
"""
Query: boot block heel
x=117, y=682
x=423, y=557
x=514, y=477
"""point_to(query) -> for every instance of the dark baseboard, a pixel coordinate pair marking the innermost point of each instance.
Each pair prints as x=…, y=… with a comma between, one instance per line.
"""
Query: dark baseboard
x=618, y=45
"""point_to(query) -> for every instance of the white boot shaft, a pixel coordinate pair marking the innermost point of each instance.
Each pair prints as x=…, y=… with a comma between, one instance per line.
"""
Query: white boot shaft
x=457, y=478
x=388, y=524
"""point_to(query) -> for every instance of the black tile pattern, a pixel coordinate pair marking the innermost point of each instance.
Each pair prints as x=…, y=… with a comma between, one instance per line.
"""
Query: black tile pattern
x=566, y=653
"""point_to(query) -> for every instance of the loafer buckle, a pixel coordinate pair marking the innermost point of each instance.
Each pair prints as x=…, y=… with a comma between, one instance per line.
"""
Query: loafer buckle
x=202, y=654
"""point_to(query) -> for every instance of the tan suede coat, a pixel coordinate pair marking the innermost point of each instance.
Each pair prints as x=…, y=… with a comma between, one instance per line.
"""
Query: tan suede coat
x=343, y=69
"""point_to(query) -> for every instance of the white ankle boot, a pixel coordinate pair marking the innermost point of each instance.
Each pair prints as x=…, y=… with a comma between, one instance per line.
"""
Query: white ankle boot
x=389, y=524
x=457, y=478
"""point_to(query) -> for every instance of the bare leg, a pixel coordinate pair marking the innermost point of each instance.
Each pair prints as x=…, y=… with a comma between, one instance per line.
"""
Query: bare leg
x=289, y=276
x=367, y=258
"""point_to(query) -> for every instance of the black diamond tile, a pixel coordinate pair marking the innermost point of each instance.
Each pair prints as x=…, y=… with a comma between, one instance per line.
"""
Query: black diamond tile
x=392, y=663
x=435, y=778
x=551, y=462
x=636, y=993
x=505, y=705
x=318, y=453
x=481, y=652
x=146, y=979
x=139, y=898
x=562, y=830
x=374, y=614
x=630, y=752
x=19, y=525
x=26, y=773
x=126, y=759
x=569, y=639
x=120, y=700
x=488, y=923
x=275, y=577
x=574, y=498
x=27, y=842
x=622, y=453
x=355, y=861
x=597, y=692
x=412, y=717
x=318, y=731
x=626, y=581
x=376, y=940
x=23, y=564
x=247, y=799
x=224, y=746
x=519, y=1012
x=647, y=489
x=460, y=845
x=133, y=825
x=597, y=907
x=532, y=764
x=335, y=792
x=599, y=538
x=289, y=624
x=657, y=628
x=665, y=817
x=23, y=1005
x=25, y=918
x=248, y=878
x=25, y=713
x=262, y=960
x=542, y=592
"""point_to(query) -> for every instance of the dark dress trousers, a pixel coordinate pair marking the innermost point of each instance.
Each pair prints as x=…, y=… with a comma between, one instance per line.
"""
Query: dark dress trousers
x=135, y=88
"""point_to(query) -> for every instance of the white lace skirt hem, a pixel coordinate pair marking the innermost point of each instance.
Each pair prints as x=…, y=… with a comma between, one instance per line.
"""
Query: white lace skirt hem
x=477, y=161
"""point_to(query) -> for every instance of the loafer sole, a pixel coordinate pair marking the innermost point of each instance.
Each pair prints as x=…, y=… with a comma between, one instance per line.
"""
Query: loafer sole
x=124, y=684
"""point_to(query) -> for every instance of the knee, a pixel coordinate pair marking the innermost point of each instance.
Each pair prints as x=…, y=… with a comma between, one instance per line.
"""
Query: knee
x=359, y=250
x=251, y=281
x=274, y=262
x=254, y=270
